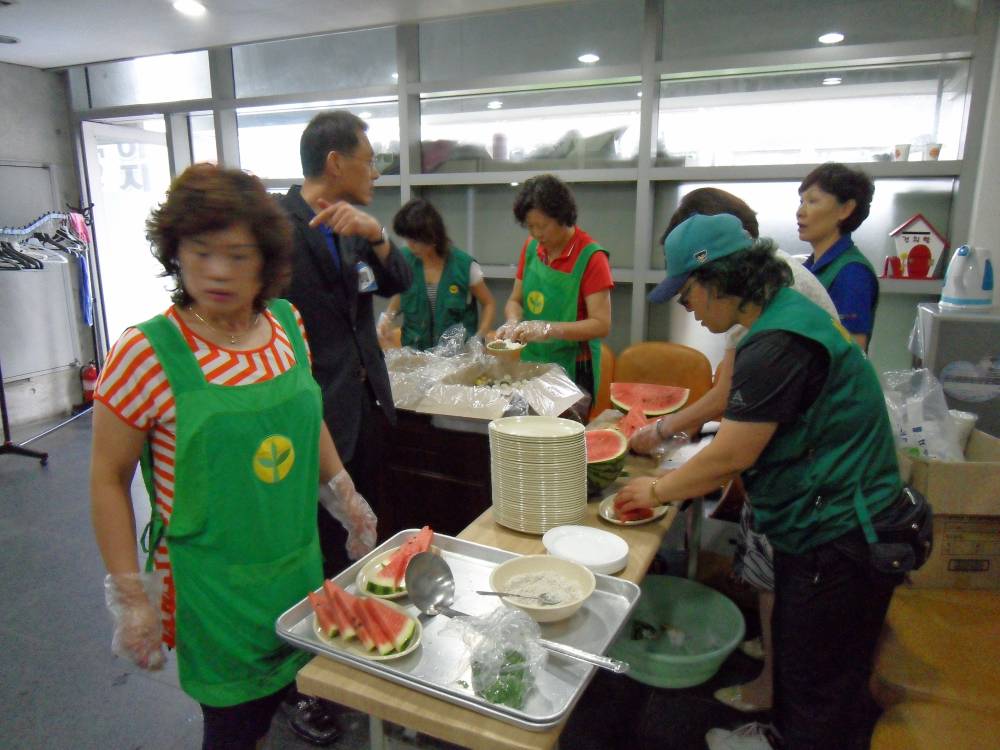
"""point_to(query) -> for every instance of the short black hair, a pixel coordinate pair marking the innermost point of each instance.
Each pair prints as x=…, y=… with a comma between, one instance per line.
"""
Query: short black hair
x=710, y=201
x=548, y=194
x=336, y=130
x=419, y=220
x=844, y=184
x=754, y=275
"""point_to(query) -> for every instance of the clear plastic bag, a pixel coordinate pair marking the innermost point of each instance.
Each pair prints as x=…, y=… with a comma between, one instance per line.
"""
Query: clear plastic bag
x=504, y=656
x=919, y=415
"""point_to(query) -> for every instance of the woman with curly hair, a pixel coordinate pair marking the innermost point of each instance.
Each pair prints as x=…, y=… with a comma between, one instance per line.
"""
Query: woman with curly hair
x=561, y=302
x=806, y=427
x=216, y=400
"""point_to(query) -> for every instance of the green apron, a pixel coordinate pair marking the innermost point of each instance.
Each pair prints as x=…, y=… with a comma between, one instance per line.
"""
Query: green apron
x=422, y=326
x=242, y=536
x=828, y=274
x=552, y=295
x=834, y=468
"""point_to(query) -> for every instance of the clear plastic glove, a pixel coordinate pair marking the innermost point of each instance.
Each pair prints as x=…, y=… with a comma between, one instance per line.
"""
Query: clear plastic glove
x=387, y=322
x=506, y=331
x=532, y=330
x=131, y=599
x=645, y=440
x=352, y=511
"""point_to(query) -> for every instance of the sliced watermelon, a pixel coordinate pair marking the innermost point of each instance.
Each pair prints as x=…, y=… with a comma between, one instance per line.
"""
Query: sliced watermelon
x=389, y=578
x=655, y=400
x=632, y=422
x=606, y=451
x=636, y=514
x=394, y=623
x=324, y=615
x=340, y=609
x=374, y=631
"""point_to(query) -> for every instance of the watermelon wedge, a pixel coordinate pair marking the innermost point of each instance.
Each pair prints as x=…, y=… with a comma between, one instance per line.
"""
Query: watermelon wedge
x=324, y=615
x=394, y=623
x=388, y=579
x=372, y=628
x=632, y=422
x=340, y=607
x=654, y=400
x=606, y=451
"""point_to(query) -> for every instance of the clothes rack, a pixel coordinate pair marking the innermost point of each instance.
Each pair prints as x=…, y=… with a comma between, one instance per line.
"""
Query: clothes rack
x=9, y=446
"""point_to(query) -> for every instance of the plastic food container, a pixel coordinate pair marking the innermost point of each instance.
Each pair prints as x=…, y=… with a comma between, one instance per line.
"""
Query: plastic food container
x=679, y=633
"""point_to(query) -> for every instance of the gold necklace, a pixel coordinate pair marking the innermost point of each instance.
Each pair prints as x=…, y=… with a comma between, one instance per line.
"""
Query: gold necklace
x=234, y=338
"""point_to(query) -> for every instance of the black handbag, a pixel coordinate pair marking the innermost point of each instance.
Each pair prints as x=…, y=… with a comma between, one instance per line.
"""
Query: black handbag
x=905, y=534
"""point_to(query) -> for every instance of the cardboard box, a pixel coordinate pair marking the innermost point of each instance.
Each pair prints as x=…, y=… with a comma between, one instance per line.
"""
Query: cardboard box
x=966, y=501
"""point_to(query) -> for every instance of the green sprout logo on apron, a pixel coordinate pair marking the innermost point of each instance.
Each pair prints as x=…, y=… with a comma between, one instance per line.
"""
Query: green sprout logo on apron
x=536, y=302
x=274, y=459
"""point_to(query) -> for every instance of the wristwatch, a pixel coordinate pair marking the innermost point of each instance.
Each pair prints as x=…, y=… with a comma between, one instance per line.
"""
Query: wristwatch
x=385, y=238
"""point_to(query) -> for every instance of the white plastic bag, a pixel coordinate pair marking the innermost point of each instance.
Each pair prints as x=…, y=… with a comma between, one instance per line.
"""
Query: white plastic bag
x=919, y=415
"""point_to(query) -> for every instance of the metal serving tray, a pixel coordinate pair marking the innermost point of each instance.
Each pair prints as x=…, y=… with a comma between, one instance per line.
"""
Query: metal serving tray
x=440, y=664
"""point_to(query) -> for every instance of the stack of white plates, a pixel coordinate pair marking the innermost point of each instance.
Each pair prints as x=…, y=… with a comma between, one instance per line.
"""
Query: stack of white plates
x=539, y=471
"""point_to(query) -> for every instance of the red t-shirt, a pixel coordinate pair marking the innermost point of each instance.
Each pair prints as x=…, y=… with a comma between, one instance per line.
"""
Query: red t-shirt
x=596, y=276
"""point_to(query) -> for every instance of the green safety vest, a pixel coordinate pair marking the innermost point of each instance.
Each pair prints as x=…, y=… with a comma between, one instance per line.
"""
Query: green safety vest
x=242, y=536
x=835, y=466
x=827, y=274
x=422, y=327
x=552, y=295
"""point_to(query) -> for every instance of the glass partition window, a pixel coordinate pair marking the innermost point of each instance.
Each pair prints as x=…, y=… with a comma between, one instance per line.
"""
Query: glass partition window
x=895, y=201
x=730, y=27
x=848, y=115
x=160, y=78
x=350, y=59
x=571, y=128
x=537, y=39
x=202, y=129
x=269, y=136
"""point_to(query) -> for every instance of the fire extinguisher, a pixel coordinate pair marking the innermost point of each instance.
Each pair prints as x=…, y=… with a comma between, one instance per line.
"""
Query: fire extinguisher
x=88, y=378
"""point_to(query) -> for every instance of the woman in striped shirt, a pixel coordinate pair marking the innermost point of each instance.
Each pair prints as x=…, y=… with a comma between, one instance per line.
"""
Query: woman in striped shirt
x=216, y=401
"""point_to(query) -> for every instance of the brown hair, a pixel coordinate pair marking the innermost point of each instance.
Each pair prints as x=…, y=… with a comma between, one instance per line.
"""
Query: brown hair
x=207, y=198
x=710, y=201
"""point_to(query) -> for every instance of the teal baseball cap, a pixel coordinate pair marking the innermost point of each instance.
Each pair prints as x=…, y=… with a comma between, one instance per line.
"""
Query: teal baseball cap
x=698, y=240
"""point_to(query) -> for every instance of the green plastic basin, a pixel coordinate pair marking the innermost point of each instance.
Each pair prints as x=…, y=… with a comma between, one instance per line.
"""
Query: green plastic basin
x=679, y=633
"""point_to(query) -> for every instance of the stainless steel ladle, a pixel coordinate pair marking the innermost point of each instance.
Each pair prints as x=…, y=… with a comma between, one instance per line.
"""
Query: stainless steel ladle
x=431, y=586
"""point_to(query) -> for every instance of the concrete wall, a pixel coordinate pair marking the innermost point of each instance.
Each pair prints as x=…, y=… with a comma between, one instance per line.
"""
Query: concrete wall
x=35, y=128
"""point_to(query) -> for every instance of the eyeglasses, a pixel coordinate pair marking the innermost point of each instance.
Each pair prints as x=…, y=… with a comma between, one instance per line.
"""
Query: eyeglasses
x=682, y=298
x=369, y=162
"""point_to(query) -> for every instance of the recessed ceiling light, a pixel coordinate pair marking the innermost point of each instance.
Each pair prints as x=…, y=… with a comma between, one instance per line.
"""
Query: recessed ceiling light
x=495, y=104
x=395, y=76
x=8, y=39
x=514, y=184
x=832, y=81
x=639, y=94
x=365, y=115
x=588, y=57
x=189, y=8
x=832, y=37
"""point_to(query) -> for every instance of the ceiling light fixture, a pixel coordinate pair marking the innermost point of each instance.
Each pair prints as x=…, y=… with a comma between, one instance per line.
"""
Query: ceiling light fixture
x=190, y=8
x=495, y=104
x=395, y=76
x=8, y=39
x=832, y=81
x=588, y=57
x=366, y=115
x=832, y=37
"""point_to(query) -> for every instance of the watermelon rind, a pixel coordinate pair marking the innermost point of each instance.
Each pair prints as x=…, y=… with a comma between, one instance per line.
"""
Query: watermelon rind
x=602, y=472
x=383, y=643
x=401, y=633
x=376, y=582
x=659, y=399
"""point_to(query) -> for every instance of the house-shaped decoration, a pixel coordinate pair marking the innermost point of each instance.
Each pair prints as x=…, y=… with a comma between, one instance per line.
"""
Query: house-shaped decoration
x=919, y=249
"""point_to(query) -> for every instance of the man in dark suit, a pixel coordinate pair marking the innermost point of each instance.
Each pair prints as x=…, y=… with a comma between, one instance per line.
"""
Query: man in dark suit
x=342, y=256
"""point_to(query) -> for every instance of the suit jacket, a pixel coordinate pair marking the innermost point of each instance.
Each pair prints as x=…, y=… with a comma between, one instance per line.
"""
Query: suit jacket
x=340, y=321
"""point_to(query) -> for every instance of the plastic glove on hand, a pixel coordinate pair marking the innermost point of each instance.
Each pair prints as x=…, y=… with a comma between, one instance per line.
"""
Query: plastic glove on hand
x=352, y=511
x=385, y=325
x=506, y=331
x=645, y=440
x=532, y=330
x=137, y=625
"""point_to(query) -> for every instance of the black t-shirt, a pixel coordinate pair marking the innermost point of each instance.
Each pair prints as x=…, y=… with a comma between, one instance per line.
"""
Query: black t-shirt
x=776, y=377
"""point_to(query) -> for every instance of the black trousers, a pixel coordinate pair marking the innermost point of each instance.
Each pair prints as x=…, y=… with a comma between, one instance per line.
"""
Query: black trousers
x=363, y=467
x=829, y=610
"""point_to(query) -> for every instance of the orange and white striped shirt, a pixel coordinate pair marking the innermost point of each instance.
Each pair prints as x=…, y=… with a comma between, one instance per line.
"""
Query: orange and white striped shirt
x=134, y=386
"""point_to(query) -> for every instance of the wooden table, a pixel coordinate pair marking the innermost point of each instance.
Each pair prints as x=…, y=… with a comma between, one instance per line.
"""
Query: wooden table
x=383, y=700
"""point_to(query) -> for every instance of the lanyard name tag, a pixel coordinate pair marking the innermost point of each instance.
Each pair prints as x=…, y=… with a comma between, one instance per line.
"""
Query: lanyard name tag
x=366, y=278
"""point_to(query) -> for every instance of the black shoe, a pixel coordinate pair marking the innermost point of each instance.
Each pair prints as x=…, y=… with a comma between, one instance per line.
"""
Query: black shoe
x=315, y=721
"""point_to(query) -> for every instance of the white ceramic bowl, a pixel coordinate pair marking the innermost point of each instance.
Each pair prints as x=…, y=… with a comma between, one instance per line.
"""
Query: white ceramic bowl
x=579, y=575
